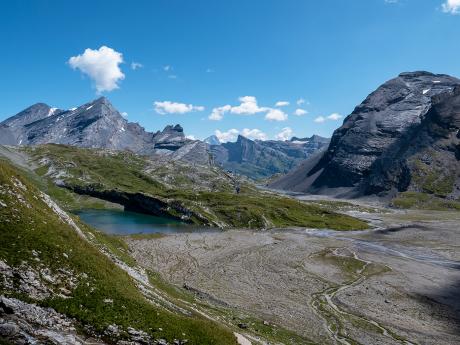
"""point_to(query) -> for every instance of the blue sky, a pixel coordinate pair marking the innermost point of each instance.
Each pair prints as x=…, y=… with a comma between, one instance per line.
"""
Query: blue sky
x=242, y=56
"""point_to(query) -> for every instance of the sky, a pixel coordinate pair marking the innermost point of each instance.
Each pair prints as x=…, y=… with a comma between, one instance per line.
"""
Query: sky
x=267, y=69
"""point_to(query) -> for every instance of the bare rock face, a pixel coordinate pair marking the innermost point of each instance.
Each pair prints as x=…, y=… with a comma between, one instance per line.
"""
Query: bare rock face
x=97, y=125
x=377, y=147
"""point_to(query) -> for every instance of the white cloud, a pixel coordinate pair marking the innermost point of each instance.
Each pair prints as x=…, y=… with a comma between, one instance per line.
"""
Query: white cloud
x=281, y=104
x=276, y=115
x=232, y=134
x=334, y=117
x=285, y=134
x=136, y=65
x=229, y=135
x=101, y=65
x=218, y=113
x=167, y=68
x=319, y=119
x=451, y=6
x=248, y=106
x=124, y=114
x=300, y=112
x=191, y=137
x=254, y=134
x=167, y=107
x=300, y=101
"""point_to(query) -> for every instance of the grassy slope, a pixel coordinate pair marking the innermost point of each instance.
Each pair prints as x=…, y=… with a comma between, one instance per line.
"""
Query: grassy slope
x=27, y=224
x=205, y=191
x=432, y=183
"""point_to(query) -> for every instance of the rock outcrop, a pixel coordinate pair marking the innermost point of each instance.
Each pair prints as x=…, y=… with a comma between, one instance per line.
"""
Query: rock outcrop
x=404, y=136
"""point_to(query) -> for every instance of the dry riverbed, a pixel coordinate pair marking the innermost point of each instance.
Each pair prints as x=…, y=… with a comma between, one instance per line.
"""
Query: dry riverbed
x=397, y=284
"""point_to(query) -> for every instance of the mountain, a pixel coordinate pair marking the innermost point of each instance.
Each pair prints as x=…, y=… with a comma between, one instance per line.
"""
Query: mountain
x=212, y=140
x=97, y=125
x=403, y=137
x=260, y=159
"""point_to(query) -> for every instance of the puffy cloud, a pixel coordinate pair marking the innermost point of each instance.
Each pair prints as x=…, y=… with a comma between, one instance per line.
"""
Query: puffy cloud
x=167, y=107
x=276, y=115
x=254, y=134
x=451, y=6
x=319, y=119
x=232, y=134
x=248, y=106
x=281, y=104
x=101, y=65
x=229, y=135
x=300, y=112
x=332, y=117
x=285, y=134
x=136, y=65
x=218, y=113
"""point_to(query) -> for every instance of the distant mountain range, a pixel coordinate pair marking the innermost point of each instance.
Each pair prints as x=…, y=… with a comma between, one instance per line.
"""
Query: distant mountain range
x=98, y=124
x=405, y=136
x=260, y=159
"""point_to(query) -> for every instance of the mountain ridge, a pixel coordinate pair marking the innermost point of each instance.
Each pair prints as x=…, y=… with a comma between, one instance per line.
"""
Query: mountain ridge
x=97, y=124
x=402, y=135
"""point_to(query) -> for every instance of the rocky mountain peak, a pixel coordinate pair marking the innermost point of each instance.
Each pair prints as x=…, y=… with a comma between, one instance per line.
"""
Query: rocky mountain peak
x=212, y=140
x=173, y=129
x=371, y=152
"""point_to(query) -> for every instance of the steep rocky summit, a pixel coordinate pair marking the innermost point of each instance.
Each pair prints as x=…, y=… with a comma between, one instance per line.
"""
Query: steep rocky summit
x=404, y=136
x=96, y=125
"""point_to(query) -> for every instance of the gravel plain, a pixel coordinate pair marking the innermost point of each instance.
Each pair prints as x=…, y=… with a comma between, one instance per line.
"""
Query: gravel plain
x=398, y=283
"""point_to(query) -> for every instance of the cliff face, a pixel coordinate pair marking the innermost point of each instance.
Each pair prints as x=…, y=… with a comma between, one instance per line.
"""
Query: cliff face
x=406, y=129
x=97, y=124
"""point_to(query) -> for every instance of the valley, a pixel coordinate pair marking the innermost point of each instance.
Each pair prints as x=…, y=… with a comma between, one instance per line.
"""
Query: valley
x=122, y=236
x=396, y=284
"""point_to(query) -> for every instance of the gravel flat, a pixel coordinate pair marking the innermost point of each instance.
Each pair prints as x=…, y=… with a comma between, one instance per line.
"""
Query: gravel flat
x=397, y=284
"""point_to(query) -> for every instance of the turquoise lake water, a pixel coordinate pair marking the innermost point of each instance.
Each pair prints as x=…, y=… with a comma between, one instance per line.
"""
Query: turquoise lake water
x=127, y=223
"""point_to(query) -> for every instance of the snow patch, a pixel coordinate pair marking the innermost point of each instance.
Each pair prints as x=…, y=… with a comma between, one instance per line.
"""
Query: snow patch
x=51, y=111
x=426, y=91
x=436, y=81
x=90, y=107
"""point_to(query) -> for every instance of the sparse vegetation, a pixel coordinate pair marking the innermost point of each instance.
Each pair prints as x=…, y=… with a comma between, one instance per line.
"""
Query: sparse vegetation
x=35, y=236
x=205, y=195
x=426, y=201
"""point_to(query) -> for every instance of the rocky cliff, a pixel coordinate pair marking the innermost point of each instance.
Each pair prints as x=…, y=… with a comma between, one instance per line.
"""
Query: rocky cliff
x=97, y=124
x=404, y=136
